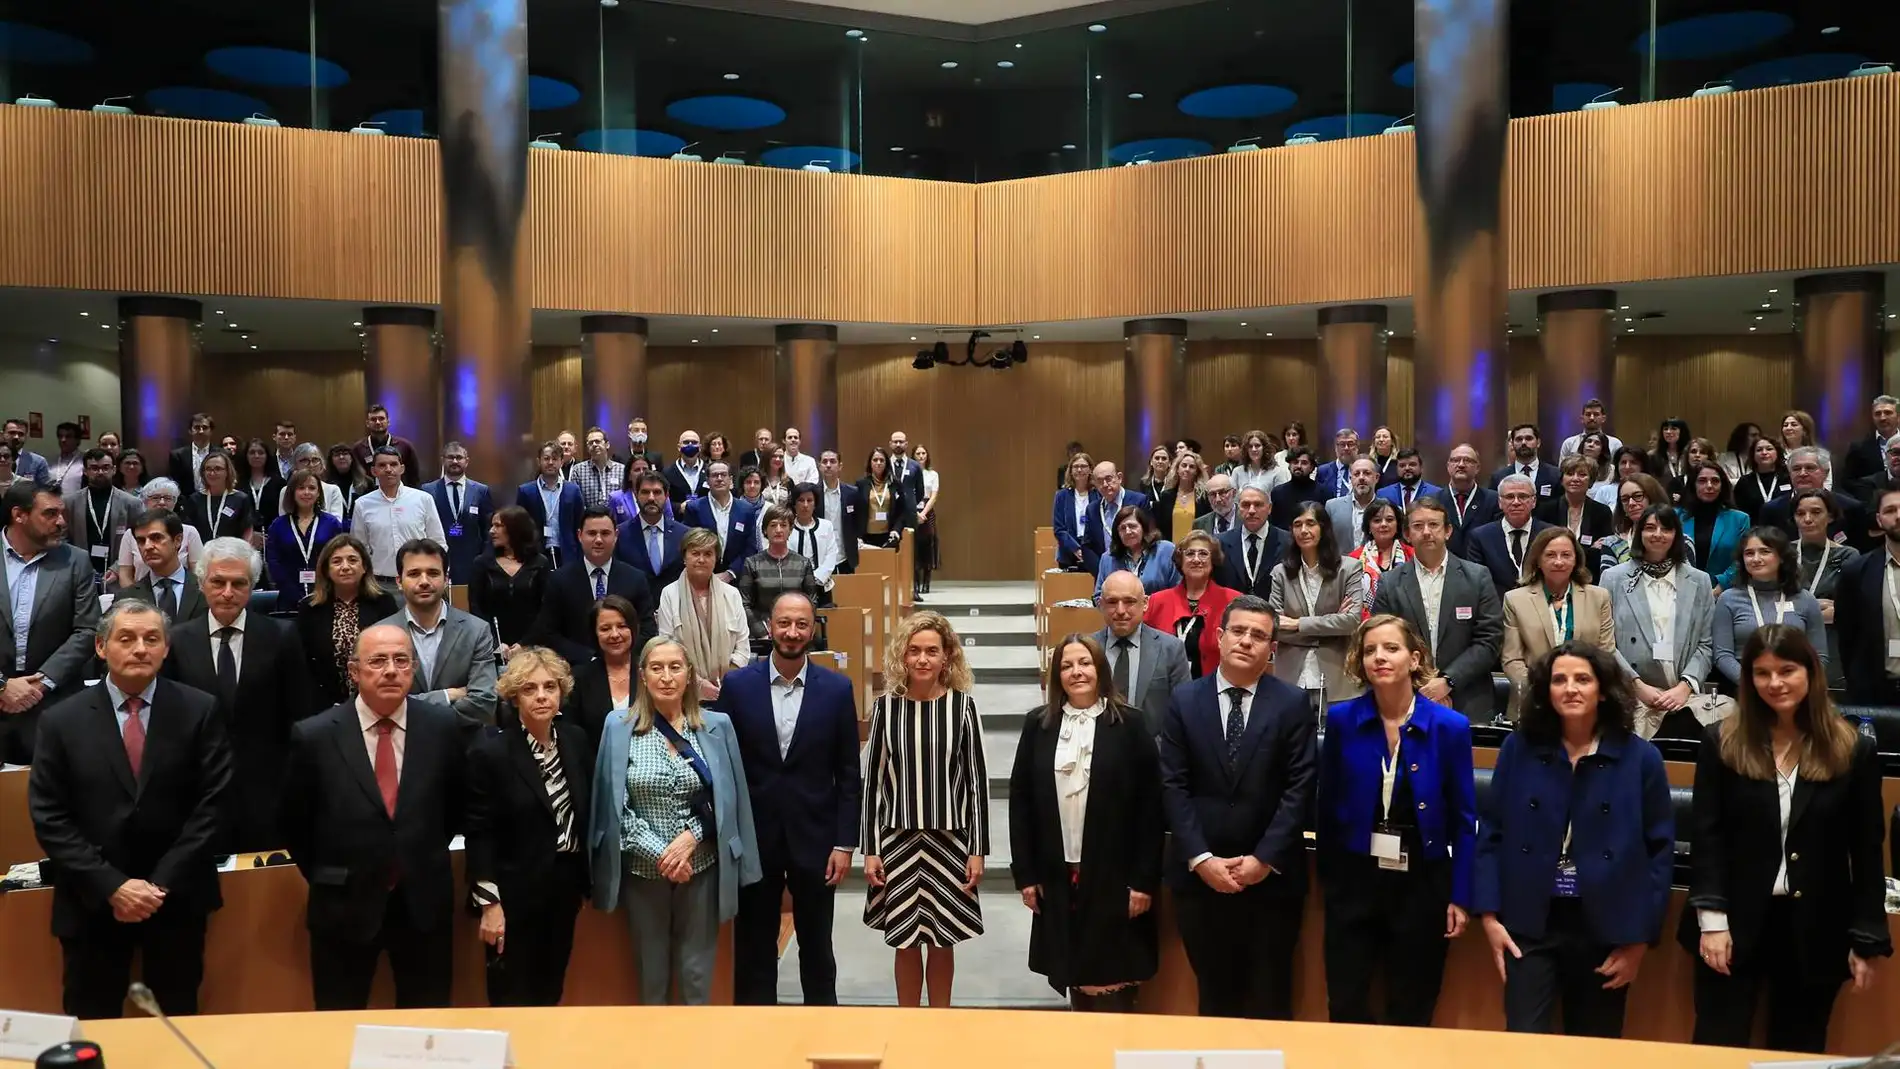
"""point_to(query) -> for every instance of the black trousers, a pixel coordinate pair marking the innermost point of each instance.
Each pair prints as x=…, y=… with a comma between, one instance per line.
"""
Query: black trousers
x=342, y=965
x=1120, y=1000
x=1798, y=1009
x=98, y=963
x=1377, y=920
x=537, y=940
x=16, y=736
x=755, y=935
x=1241, y=947
x=1563, y=965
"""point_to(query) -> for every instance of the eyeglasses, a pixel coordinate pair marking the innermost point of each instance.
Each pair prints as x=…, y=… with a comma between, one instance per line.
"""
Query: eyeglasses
x=1637, y=496
x=1196, y=554
x=383, y=662
x=1254, y=633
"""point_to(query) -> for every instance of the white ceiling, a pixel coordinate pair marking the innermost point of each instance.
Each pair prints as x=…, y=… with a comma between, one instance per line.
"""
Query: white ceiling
x=968, y=12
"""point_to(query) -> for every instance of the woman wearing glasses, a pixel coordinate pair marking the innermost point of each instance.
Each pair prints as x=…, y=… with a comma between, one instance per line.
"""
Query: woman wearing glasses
x=1635, y=493
x=1192, y=609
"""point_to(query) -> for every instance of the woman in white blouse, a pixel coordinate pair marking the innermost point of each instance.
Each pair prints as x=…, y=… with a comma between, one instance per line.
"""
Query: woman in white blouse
x=1260, y=466
x=1319, y=598
x=706, y=618
x=813, y=536
x=1662, y=609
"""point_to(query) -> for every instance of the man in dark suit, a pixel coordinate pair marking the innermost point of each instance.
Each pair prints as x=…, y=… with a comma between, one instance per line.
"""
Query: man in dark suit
x=726, y=514
x=1249, y=551
x=160, y=536
x=797, y=725
x=1145, y=664
x=376, y=436
x=51, y=659
x=760, y=452
x=1864, y=613
x=126, y=792
x=565, y=622
x=183, y=463
x=1501, y=546
x=254, y=667
x=1107, y=499
x=1237, y=780
x=654, y=529
x=554, y=504
x=1335, y=476
x=1467, y=630
x=373, y=795
x=1467, y=505
x=1525, y=442
x=1808, y=469
x=1411, y=484
x=909, y=475
x=98, y=513
x=1866, y=456
x=838, y=502
x=1299, y=488
x=465, y=508
x=637, y=445
x=686, y=477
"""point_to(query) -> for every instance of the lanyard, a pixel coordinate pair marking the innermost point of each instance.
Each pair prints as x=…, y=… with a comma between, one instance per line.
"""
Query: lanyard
x=257, y=488
x=1563, y=852
x=217, y=514
x=1781, y=608
x=305, y=546
x=1826, y=546
x=99, y=524
x=1767, y=490
x=1384, y=465
x=1464, y=505
x=1389, y=767
x=65, y=471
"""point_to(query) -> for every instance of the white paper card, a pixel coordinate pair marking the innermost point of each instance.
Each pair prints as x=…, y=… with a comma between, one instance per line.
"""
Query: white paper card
x=383, y=1047
x=1200, y=1059
x=1893, y=648
x=1664, y=649
x=24, y=1035
x=1386, y=845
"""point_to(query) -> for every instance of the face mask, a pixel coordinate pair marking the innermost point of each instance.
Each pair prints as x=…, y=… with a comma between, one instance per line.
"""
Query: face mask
x=639, y=439
x=690, y=449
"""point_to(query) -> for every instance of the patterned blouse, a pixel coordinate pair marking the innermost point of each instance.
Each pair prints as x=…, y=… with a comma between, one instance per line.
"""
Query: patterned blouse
x=345, y=626
x=660, y=789
x=554, y=779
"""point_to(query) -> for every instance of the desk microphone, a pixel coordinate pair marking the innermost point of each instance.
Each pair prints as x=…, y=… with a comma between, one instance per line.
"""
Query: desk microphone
x=143, y=998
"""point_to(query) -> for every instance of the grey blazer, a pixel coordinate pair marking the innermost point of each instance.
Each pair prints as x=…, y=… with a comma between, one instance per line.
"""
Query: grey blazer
x=64, y=616
x=1635, y=633
x=1346, y=534
x=1206, y=523
x=1163, y=666
x=1325, y=629
x=466, y=658
x=121, y=507
x=1470, y=628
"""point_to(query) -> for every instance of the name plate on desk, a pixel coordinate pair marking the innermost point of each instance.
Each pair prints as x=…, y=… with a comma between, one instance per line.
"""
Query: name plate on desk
x=23, y=1036
x=1200, y=1059
x=383, y=1047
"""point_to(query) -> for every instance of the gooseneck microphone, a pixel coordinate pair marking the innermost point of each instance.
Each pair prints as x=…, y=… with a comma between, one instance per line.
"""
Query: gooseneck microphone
x=143, y=998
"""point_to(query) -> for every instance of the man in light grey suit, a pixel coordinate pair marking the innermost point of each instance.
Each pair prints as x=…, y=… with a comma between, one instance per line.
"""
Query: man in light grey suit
x=455, y=652
x=1221, y=514
x=49, y=661
x=1145, y=664
x=1454, y=605
x=1347, y=512
x=98, y=514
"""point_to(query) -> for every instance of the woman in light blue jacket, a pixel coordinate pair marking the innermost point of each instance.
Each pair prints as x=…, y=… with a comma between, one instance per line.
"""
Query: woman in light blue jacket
x=672, y=826
x=1136, y=545
x=1712, y=523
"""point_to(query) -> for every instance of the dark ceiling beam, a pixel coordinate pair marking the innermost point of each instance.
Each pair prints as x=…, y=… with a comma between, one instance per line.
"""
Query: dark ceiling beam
x=883, y=22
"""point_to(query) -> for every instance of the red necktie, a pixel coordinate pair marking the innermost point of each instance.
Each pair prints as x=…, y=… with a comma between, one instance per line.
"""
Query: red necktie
x=134, y=734
x=386, y=762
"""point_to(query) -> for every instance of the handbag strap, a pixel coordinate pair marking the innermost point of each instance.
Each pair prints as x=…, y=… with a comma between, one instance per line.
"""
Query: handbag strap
x=702, y=798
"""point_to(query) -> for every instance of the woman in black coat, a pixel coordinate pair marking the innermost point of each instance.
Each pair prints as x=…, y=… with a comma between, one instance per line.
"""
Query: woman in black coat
x=886, y=508
x=346, y=600
x=221, y=509
x=1802, y=909
x=1087, y=856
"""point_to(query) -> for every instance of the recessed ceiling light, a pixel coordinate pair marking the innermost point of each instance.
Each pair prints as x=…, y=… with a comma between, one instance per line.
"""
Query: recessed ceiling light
x=897, y=148
x=715, y=330
x=1269, y=334
x=1830, y=29
x=695, y=341
x=358, y=323
x=609, y=3
x=220, y=311
x=730, y=77
x=105, y=326
x=1629, y=330
x=1757, y=319
x=1623, y=308
x=1098, y=77
x=1070, y=146
x=84, y=314
x=1753, y=328
x=1134, y=96
x=1764, y=304
x=948, y=64
x=1243, y=322
x=913, y=337
x=1035, y=337
x=1096, y=27
x=1629, y=319
x=1774, y=291
x=854, y=33
x=1005, y=64
x=253, y=346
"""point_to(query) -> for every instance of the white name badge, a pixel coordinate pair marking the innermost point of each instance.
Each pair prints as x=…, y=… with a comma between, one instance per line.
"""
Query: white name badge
x=1462, y=612
x=1386, y=845
x=1544, y=490
x=1586, y=540
x=24, y=1035
x=307, y=577
x=1200, y=1059
x=1664, y=649
x=473, y=511
x=99, y=553
x=1784, y=607
x=878, y=517
x=383, y=1047
x=1893, y=648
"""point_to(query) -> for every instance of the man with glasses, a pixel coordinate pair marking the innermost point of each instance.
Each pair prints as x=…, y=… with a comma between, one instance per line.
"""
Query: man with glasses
x=1221, y=513
x=1501, y=545
x=686, y=477
x=98, y=514
x=1868, y=457
x=465, y=508
x=1808, y=469
x=1145, y=664
x=726, y=514
x=1455, y=605
x=600, y=474
x=1467, y=504
x=1335, y=476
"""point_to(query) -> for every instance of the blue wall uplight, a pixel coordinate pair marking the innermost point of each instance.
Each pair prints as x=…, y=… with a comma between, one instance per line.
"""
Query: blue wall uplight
x=1246, y=101
x=278, y=67
x=1159, y=149
x=1406, y=76
x=1808, y=67
x=624, y=141
x=546, y=94
x=726, y=112
x=193, y=102
x=796, y=156
x=1723, y=34
x=20, y=43
x=403, y=122
x=1334, y=127
x=1571, y=96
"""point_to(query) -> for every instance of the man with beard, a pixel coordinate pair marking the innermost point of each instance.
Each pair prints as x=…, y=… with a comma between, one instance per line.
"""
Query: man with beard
x=651, y=540
x=1525, y=442
x=1411, y=485
x=1299, y=488
x=797, y=725
x=98, y=514
x=1865, y=613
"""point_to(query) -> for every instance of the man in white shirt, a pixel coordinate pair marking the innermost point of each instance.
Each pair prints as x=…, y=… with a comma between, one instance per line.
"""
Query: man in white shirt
x=599, y=475
x=1594, y=420
x=800, y=467
x=570, y=451
x=394, y=514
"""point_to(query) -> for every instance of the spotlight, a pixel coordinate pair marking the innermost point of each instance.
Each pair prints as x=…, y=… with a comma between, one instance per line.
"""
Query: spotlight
x=940, y=352
x=1018, y=352
x=1000, y=360
x=969, y=349
x=923, y=361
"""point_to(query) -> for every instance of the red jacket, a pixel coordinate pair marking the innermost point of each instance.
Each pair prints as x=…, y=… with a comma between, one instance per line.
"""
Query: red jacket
x=1167, y=607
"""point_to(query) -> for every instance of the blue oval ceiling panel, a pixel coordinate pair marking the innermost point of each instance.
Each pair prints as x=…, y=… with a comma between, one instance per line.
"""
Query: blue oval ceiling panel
x=1405, y=76
x=726, y=112
x=279, y=67
x=20, y=43
x=403, y=122
x=624, y=141
x=546, y=94
x=192, y=102
x=1160, y=148
x=1572, y=96
x=796, y=156
x=1249, y=101
x=1808, y=67
x=1706, y=36
x=1334, y=127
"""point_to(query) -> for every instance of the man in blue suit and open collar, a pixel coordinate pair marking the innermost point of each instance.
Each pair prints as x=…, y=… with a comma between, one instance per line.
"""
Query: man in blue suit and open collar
x=654, y=525
x=1335, y=476
x=561, y=531
x=797, y=724
x=1237, y=780
x=1411, y=485
x=726, y=514
x=1107, y=499
x=465, y=508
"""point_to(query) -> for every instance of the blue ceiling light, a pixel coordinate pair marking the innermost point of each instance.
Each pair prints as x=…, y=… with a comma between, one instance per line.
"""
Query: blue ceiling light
x=1572, y=96
x=1724, y=34
x=402, y=122
x=546, y=94
x=20, y=43
x=1787, y=70
x=624, y=141
x=792, y=157
x=1244, y=101
x=1405, y=76
x=1160, y=148
x=726, y=112
x=193, y=102
x=1334, y=127
x=278, y=67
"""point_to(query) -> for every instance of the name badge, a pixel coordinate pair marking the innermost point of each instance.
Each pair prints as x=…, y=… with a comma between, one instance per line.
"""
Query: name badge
x=455, y=531
x=1784, y=488
x=23, y=1036
x=1565, y=885
x=384, y=1047
x=1893, y=648
x=473, y=511
x=738, y=526
x=1586, y=540
x=227, y=512
x=307, y=577
x=1839, y=537
x=878, y=517
x=1391, y=855
x=1784, y=606
x=849, y=509
x=99, y=553
x=1664, y=649
x=1462, y=612
x=1544, y=490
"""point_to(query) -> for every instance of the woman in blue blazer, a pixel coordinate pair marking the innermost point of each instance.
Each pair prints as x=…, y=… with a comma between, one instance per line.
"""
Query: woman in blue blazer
x=1138, y=547
x=1396, y=830
x=1070, y=517
x=680, y=845
x=297, y=537
x=1576, y=845
x=1712, y=523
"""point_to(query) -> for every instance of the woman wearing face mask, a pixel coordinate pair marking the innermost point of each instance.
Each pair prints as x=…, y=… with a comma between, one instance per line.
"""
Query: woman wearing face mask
x=1382, y=551
x=1556, y=604
x=1396, y=810
x=1576, y=848
x=1628, y=463
x=1670, y=455
x=1713, y=525
x=345, y=600
x=670, y=796
x=1769, y=592
x=1087, y=861
x=1737, y=457
x=291, y=545
x=1137, y=546
x=1319, y=598
x=510, y=578
x=1787, y=890
x=1663, y=610
x=1192, y=610
x=1766, y=480
x=1822, y=559
x=1634, y=495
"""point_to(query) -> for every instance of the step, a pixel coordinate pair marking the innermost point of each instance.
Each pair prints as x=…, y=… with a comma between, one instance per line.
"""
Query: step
x=1004, y=664
x=1003, y=705
x=959, y=610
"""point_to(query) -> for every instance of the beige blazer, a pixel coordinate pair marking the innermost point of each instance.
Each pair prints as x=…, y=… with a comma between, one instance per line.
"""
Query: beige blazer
x=1530, y=632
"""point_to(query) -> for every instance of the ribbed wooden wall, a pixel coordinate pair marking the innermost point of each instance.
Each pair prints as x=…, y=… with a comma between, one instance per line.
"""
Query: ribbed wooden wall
x=1238, y=385
x=322, y=392
x=1713, y=382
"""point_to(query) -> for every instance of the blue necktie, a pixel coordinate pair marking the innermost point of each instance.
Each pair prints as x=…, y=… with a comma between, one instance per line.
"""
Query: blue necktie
x=653, y=547
x=600, y=584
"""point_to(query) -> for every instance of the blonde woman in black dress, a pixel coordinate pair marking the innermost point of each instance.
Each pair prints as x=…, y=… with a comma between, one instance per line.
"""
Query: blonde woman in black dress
x=926, y=808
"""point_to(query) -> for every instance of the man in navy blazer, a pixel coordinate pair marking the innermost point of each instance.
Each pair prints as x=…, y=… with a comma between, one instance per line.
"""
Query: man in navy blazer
x=565, y=623
x=1107, y=499
x=465, y=508
x=844, y=514
x=1335, y=476
x=1233, y=572
x=1493, y=546
x=632, y=543
x=797, y=725
x=1411, y=484
x=560, y=531
x=1860, y=609
x=1525, y=442
x=734, y=519
x=1467, y=505
x=1237, y=779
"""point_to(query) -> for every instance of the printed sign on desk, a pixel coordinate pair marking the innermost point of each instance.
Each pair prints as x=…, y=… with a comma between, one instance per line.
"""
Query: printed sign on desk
x=1200, y=1059
x=23, y=1036
x=384, y=1047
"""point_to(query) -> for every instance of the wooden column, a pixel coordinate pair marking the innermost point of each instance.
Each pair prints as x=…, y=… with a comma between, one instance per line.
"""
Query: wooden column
x=613, y=372
x=1577, y=332
x=1154, y=388
x=160, y=345
x=805, y=376
x=1352, y=348
x=401, y=373
x=1838, y=359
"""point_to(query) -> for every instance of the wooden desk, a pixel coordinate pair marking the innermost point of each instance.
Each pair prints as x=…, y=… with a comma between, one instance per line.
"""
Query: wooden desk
x=848, y=629
x=1045, y=538
x=17, y=841
x=869, y=591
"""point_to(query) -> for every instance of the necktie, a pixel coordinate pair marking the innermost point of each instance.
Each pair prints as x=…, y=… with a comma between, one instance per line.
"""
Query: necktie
x=1407, y=503
x=134, y=734
x=653, y=547
x=1220, y=524
x=1235, y=724
x=386, y=762
x=1253, y=556
x=168, y=597
x=227, y=666
x=600, y=583
x=455, y=504
x=1125, y=651
x=1530, y=473
x=1517, y=548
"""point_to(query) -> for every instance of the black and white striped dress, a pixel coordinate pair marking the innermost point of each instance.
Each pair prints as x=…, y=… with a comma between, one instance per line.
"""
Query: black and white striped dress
x=926, y=812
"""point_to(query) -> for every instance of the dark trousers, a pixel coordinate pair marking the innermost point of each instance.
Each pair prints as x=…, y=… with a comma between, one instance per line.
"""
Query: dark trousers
x=1241, y=947
x=1393, y=922
x=343, y=964
x=98, y=963
x=17, y=733
x=755, y=935
x=1120, y=1000
x=1563, y=965
x=1798, y=1009
x=537, y=940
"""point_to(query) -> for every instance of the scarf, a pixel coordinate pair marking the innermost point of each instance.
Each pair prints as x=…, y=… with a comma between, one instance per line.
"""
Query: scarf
x=1655, y=569
x=707, y=641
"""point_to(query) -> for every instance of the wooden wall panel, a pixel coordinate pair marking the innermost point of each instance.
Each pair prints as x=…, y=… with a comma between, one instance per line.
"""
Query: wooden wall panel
x=554, y=393
x=722, y=388
x=1243, y=384
x=321, y=392
x=1713, y=382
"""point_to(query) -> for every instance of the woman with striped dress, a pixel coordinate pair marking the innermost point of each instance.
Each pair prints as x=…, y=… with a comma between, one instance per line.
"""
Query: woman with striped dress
x=926, y=808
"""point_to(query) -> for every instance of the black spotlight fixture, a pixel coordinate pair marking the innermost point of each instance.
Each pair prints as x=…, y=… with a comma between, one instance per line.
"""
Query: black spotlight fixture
x=923, y=360
x=1000, y=360
x=940, y=352
x=1018, y=352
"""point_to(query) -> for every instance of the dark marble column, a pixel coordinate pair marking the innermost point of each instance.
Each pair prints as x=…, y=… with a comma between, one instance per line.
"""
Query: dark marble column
x=1352, y=347
x=805, y=376
x=1838, y=359
x=1154, y=389
x=160, y=346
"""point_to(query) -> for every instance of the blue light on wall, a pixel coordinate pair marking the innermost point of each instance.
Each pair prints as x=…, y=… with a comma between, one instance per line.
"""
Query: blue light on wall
x=403, y=122
x=1808, y=67
x=546, y=94
x=1244, y=101
x=1571, y=96
x=193, y=102
x=1334, y=127
x=1160, y=148
x=1723, y=34
x=796, y=156
x=722, y=112
x=20, y=43
x=625, y=141
x=278, y=67
x=1406, y=76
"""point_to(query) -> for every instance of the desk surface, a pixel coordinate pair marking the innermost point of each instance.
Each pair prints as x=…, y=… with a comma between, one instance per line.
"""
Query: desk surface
x=771, y=1038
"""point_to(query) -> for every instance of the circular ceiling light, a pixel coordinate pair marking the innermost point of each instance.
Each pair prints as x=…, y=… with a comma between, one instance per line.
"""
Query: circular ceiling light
x=1005, y=64
x=730, y=77
x=627, y=141
x=278, y=67
x=1159, y=149
x=1707, y=36
x=1134, y=96
x=854, y=33
x=726, y=112
x=546, y=94
x=948, y=64
x=1096, y=27
x=193, y=102
x=20, y=43
x=1239, y=101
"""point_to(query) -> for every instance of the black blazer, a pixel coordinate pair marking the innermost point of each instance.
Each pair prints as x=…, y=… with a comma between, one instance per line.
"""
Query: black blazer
x=1481, y=509
x=100, y=827
x=901, y=513
x=1835, y=869
x=351, y=852
x=191, y=600
x=1549, y=479
x=1853, y=525
x=592, y=700
x=1599, y=523
x=273, y=692
x=567, y=606
x=1749, y=498
x=852, y=502
x=181, y=471
x=237, y=518
x=327, y=686
x=511, y=835
x=1232, y=570
x=264, y=509
x=1163, y=511
x=1489, y=548
x=806, y=803
x=678, y=489
x=511, y=603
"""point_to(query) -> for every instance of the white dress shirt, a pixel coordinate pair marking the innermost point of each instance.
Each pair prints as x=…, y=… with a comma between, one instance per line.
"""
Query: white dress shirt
x=385, y=523
x=427, y=642
x=821, y=538
x=788, y=700
x=801, y=468
x=1075, y=752
x=834, y=504
x=1311, y=678
x=1716, y=920
x=367, y=720
x=237, y=640
x=1431, y=591
x=1517, y=561
x=722, y=519
x=1661, y=595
